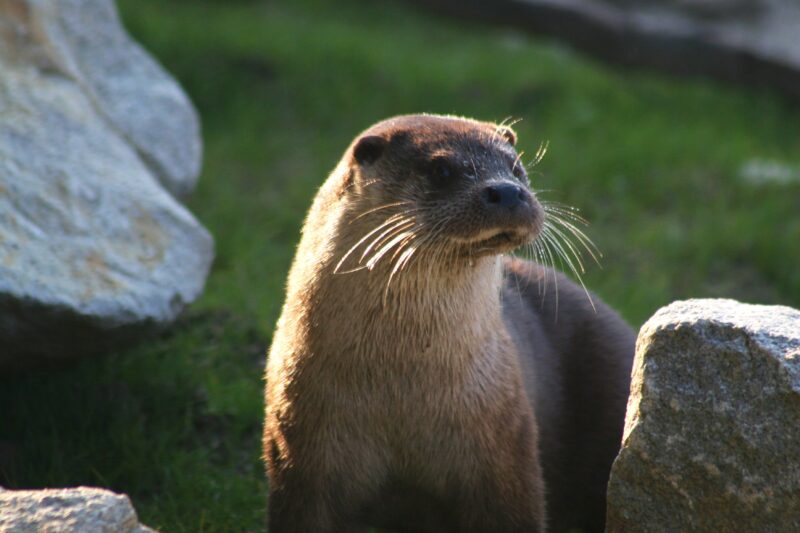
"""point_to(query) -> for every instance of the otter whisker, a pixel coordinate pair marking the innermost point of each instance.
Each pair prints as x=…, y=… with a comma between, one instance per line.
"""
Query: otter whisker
x=571, y=220
x=507, y=122
x=404, y=259
x=544, y=241
x=535, y=250
x=497, y=129
x=561, y=252
x=579, y=235
x=559, y=205
x=568, y=220
x=420, y=247
x=386, y=236
x=563, y=209
x=540, y=153
x=502, y=123
x=430, y=235
x=530, y=253
x=434, y=233
x=403, y=244
x=531, y=250
x=539, y=255
x=379, y=208
x=517, y=160
x=516, y=282
x=364, y=184
x=369, y=182
x=399, y=257
x=559, y=227
x=397, y=267
x=564, y=244
x=474, y=167
x=385, y=249
x=396, y=222
x=577, y=232
x=394, y=219
x=550, y=238
x=541, y=281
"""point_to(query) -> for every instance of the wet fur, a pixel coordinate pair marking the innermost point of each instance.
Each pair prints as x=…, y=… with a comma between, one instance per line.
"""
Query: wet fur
x=455, y=398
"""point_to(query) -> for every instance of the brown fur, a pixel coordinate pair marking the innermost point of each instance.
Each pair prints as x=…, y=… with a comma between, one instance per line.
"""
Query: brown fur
x=456, y=397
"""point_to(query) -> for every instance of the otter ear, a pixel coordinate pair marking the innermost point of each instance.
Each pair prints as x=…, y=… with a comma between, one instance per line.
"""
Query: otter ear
x=508, y=134
x=368, y=149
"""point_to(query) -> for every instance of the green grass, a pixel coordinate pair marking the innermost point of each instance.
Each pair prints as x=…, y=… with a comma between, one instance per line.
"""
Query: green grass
x=653, y=162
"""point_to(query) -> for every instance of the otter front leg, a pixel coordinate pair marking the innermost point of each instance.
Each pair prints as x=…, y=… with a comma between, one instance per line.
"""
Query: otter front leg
x=299, y=508
x=295, y=510
x=319, y=489
x=508, y=492
x=512, y=509
x=520, y=512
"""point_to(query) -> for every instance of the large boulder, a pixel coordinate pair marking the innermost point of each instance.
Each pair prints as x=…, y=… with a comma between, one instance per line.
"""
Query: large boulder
x=754, y=42
x=85, y=41
x=93, y=250
x=710, y=9
x=78, y=510
x=713, y=422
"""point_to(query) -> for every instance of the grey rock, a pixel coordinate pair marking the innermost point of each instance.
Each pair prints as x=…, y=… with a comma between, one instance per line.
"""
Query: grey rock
x=713, y=422
x=722, y=9
x=93, y=250
x=76, y=510
x=753, y=42
x=85, y=40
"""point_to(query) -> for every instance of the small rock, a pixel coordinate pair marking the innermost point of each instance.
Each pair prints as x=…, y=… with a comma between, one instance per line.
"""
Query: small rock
x=713, y=422
x=76, y=510
x=759, y=171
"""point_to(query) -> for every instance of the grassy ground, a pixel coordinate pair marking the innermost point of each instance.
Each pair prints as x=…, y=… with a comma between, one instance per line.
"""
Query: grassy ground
x=654, y=163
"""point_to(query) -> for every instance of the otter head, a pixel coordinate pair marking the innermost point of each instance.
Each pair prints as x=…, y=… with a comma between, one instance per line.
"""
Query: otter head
x=453, y=185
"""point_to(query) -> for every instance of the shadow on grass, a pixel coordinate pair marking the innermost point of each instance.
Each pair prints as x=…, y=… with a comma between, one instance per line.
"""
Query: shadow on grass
x=173, y=421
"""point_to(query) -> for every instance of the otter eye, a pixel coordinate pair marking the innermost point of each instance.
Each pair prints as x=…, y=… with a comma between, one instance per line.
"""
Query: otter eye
x=518, y=171
x=441, y=170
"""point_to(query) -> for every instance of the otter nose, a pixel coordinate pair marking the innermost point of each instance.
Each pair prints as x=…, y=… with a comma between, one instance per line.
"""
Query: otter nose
x=505, y=195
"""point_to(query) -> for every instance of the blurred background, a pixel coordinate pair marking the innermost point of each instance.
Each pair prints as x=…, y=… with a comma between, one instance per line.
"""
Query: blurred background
x=691, y=186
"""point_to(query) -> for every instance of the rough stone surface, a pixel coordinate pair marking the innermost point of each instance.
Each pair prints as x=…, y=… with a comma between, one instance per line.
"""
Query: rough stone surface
x=724, y=9
x=78, y=510
x=93, y=250
x=713, y=422
x=754, y=42
x=85, y=40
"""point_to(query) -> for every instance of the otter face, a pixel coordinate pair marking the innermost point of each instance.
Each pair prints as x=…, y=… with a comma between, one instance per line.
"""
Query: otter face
x=459, y=182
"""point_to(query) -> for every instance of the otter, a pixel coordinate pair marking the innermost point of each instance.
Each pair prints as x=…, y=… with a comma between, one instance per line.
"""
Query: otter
x=420, y=378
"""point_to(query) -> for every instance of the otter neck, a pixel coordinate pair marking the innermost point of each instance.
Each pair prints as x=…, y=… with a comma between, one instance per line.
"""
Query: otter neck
x=429, y=306
x=452, y=312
